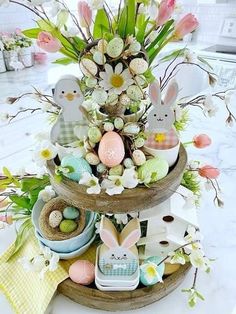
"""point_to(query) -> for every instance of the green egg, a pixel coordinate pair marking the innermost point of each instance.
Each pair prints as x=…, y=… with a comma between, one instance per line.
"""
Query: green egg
x=153, y=170
x=71, y=213
x=94, y=134
x=68, y=226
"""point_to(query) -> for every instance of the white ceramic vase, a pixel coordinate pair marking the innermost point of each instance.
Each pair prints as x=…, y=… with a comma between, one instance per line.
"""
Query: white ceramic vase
x=25, y=56
x=2, y=63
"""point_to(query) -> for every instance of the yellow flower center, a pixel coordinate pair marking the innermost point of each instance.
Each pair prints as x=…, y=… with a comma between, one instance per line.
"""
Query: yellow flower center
x=117, y=80
x=46, y=153
x=151, y=271
x=160, y=137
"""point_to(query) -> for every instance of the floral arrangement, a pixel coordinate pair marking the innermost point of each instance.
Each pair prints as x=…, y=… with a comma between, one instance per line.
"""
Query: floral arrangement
x=116, y=52
x=14, y=41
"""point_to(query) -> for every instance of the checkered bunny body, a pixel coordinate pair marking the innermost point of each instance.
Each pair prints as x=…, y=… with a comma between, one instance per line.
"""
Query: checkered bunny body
x=118, y=254
x=68, y=96
x=161, y=118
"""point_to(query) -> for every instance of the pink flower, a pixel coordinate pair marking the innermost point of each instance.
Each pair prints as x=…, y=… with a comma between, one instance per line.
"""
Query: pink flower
x=166, y=9
x=201, y=141
x=185, y=26
x=48, y=43
x=18, y=31
x=209, y=172
x=85, y=14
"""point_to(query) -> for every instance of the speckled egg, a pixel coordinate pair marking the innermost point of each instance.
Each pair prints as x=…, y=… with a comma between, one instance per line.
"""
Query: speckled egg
x=138, y=157
x=119, y=123
x=134, y=93
x=77, y=167
x=116, y=171
x=138, y=66
x=99, y=58
x=102, y=45
x=71, y=213
x=88, y=67
x=115, y=47
x=82, y=272
x=68, y=226
x=111, y=150
x=128, y=163
x=55, y=218
x=156, y=169
x=94, y=134
x=108, y=126
x=131, y=128
x=92, y=159
x=150, y=272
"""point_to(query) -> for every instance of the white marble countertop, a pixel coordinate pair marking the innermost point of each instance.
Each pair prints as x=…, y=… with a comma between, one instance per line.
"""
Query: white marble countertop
x=217, y=225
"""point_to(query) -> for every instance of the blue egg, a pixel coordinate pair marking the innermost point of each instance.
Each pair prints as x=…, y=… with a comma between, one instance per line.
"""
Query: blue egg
x=150, y=273
x=71, y=213
x=78, y=166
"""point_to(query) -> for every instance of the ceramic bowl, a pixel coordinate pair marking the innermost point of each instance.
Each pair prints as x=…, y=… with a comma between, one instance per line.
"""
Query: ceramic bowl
x=134, y=117
x=76, y=253
x=69, y=245
x=170, y=154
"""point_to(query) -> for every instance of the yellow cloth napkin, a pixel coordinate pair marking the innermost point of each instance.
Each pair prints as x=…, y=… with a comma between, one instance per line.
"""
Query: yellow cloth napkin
x=27, y=293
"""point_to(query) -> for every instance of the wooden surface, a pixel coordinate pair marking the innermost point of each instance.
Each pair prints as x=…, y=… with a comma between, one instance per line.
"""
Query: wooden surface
x=131, y=200
x=121, y=301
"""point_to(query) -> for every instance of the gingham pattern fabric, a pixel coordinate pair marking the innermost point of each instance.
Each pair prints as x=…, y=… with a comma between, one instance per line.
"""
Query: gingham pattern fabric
x=115, y=270
x=66, y=135
x=25, y=291
x=162, y=140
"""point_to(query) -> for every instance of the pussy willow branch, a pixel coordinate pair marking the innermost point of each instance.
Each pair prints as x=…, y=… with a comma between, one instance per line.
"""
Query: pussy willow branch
x=33, y=110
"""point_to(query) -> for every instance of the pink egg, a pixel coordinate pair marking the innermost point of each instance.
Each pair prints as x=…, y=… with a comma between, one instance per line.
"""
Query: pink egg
x=111, y=149
x=82, y=272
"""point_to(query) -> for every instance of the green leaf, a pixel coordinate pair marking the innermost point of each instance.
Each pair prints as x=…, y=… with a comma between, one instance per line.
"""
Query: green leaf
x=199, y=295
x=174, y=54
x=205, y=62
x=80, y=44
x=141, y=31
x=191, y=302
x=64, y=61
x=21, y=201
x=162, y=35
x=131, y=13
x=29, y=184
x=149, y=76
x=122, y=23
x=22, y=236
x=101, y=24
x=7, y=172
x=46, y=26
x=62, y=18
x=32, y=33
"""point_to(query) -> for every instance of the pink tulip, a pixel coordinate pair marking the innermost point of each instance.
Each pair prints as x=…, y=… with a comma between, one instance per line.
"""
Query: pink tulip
x=185, y=26
x=85, y=14
x=209, y=172
x=166, y=9
x=201, y=141
x=48, y=43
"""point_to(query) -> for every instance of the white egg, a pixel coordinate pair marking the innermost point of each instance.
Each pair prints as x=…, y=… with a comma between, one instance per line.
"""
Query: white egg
x=134, y=92
x=138, y=66
x=99, y=96
x=99, y=58
x=88, y=67
x=138, y=157
x=115, y=47
x=131, y=128
x=55, y=218
x=92, y=159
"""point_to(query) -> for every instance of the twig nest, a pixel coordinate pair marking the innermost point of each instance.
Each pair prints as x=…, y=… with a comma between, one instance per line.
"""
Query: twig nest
x=111, y=150
x=67, y=228
x=138, y=157
x=82, y=272
x=99, y=57
x=115, y=47
x=94, y=134
x=102, y=45
x=88, y=67
x=138, y=66
x=92, y=159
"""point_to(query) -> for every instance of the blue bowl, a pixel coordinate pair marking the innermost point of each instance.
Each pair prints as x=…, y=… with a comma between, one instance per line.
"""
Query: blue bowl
x=69, y=245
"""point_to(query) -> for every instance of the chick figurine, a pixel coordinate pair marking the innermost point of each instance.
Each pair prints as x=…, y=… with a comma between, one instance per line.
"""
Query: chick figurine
x=69, y=97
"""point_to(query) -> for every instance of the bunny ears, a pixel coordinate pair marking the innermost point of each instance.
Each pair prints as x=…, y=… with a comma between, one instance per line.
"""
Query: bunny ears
x=128, y=237
x=170, y=97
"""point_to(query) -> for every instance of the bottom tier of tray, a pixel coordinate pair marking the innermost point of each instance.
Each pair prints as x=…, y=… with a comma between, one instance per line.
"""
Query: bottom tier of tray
x=123, y=301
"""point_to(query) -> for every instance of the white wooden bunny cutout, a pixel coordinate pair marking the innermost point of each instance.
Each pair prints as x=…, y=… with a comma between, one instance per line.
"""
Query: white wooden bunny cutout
x=69, y=97
x=161, y=118
x=118, y=256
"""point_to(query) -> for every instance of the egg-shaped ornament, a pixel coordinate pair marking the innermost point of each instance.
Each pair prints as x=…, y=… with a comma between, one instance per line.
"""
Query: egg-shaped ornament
x=76, y=166
x=111, y=150
x=82, y=272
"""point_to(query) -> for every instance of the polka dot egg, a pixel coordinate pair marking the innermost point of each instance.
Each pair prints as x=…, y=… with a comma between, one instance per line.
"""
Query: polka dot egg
x=82, y=272
x=55, y=218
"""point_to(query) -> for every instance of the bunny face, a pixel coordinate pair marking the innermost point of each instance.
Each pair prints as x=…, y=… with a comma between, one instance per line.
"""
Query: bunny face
x=119, y=255
x=161, y=117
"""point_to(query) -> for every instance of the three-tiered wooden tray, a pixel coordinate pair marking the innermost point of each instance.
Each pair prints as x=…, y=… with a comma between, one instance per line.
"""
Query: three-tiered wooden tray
x=138, y=199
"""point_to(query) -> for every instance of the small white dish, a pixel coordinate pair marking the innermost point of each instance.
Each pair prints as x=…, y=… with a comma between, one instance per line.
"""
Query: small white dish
x=76, y=253
x=105, y=288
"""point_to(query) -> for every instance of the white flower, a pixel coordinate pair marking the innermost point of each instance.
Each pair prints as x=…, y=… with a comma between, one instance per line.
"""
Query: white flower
x=190, y=201
x=92, y=182
x=210, y=108
x=3, y=225
x=42, y=136
x=198, y=260
x=194, y=164
x=4, y=3
x=121, y=218
x=46, y=106
x=70, y=32
x=47, y=194
x=47, y=261
x=4, y=116
x=97, y=4
x=190, y=56
x=16, y=64
x=46, y=151
x=150, y=271
x=115, y=81
x=20, y=172
x=97, y=226
x=177, y=257
x=193, y=235
x=117, y=184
